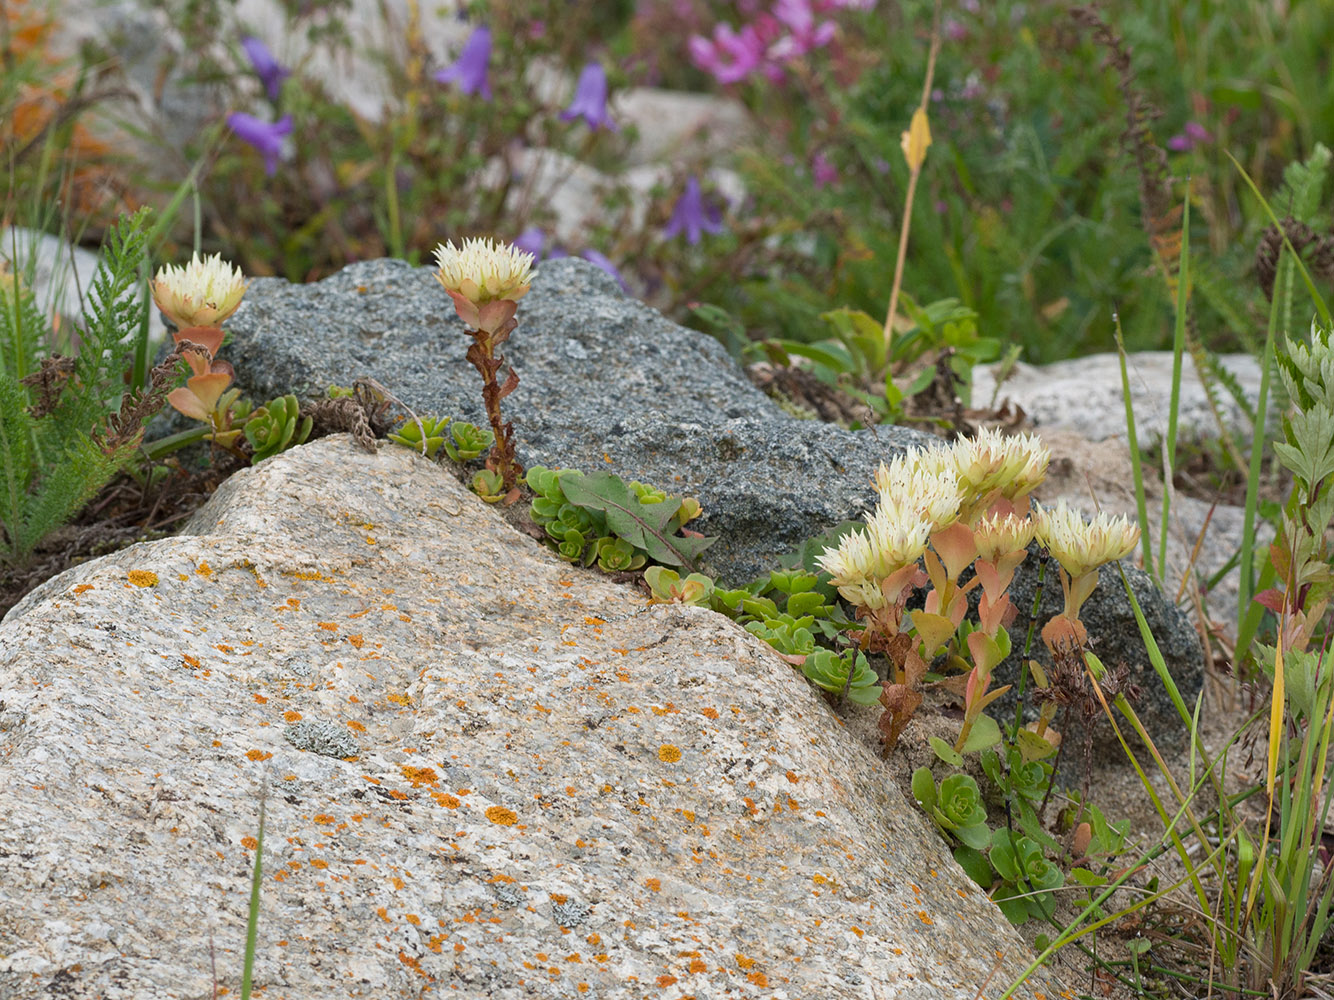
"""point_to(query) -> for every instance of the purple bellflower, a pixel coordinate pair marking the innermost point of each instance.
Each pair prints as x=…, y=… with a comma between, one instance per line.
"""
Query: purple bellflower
x=267, y=137
x=691, y=216
x=469, y=70
x=531, y=240
x=598, y=260
x=271, y=72
x=590, y=99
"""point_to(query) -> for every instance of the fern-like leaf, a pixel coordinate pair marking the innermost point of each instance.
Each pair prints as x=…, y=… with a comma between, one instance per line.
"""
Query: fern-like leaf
x=23, y=329
x=73, y=480
x=114, y=310
x=1304, y=184
x=15, y=456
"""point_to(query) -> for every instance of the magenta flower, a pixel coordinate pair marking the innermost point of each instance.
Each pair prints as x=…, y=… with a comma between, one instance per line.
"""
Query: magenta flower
x=598, y=260
x=469, y=70
x=267, y=137
x=590, y=99
x=823, y=171
x=1194, y=135
x=691, y=216
x=799, y=19
x=731, y=56
x=267, y=68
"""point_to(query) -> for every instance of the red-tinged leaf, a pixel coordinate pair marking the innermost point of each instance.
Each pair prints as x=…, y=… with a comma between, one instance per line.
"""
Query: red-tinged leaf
x=1273, y=599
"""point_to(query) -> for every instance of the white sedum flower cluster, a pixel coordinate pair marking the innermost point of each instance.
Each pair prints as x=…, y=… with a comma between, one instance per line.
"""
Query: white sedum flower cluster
x=485, y=271
x=926, y=490
x=202, y=293
x=1082, y=546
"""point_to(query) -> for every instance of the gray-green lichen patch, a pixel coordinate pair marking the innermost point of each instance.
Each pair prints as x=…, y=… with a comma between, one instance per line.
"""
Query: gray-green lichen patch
x=323, y=737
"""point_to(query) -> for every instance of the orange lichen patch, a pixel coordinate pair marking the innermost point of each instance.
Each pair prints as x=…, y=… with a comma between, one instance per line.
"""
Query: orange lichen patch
x=697, y=966
x=819, y=879
x=710, y=713
x=400, y=699
x=668, y=709
x=420, y=775
x=356, y=639
x=204, y=570
x=922, y=916
x=222, y=647
x=601, y=958
x=82, y=587
x=258, y=755
x=413, y=919
x=501, y=816
x=260, y=699
x=355, y=726
x=665, y=980
x=249, y=843
x=142, y=577
x=189, y=660
x=655, y=884
x=397, y=883
x=292, y=716
x=759, y=979
x=329, y=626
x=745, y=962
x=669, y=754
x=792, y=777
x=858, y=931
x=317, y=863
x=324, y=819
x=445, y=799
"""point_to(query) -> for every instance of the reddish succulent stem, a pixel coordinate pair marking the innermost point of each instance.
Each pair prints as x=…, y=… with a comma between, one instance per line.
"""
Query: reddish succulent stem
x=482, y=355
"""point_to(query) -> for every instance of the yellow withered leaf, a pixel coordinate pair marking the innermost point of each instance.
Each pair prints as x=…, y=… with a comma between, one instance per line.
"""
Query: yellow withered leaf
x=916, y=140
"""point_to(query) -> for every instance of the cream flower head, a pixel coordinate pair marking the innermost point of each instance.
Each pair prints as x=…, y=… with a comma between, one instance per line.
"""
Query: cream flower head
x=998, y=535
x=920, y=485
x=991, y=461
x=202, y=293
x=1082, y=546
x=484, y=270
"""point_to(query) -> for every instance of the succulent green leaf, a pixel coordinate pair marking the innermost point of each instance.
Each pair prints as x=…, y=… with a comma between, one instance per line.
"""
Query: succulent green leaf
x=985, y=733
x=466, y=441
x=924, y=788
x=975, y=866
x=946, y=752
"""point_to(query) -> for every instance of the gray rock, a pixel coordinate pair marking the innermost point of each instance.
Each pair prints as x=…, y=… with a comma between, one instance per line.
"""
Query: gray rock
x=607, y=383
x=1115, y=638
x=556, y=784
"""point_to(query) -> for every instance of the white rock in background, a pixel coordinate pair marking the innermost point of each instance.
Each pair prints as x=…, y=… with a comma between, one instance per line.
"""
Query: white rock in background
x=61, y=275
x=1084, y=395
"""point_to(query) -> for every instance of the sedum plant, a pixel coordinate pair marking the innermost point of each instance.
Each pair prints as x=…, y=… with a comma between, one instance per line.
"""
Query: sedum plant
x=485, y=280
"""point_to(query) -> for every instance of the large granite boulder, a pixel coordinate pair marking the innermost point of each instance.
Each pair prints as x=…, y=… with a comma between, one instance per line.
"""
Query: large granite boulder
x=608, y=383
x=489, y=775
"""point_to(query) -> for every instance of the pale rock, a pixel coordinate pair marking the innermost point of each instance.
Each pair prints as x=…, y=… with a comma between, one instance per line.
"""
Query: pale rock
x=1084, y=395
x=61, y=274
x=555, y=783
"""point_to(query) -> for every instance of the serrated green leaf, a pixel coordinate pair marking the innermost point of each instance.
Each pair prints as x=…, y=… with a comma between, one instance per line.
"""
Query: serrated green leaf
x=646, y=526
